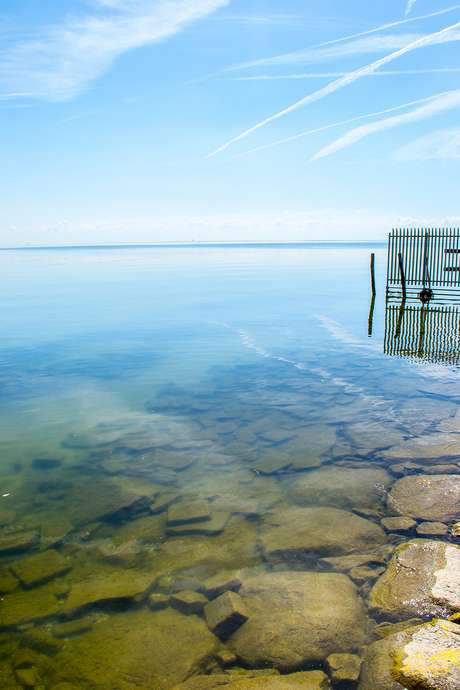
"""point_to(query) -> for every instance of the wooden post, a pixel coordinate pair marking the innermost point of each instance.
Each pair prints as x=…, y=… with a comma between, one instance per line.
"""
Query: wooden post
x=373, y=274
x=371, y=317
x=402, y=276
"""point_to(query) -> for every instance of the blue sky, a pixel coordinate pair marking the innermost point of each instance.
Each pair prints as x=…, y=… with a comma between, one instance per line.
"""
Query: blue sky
x=148, y=120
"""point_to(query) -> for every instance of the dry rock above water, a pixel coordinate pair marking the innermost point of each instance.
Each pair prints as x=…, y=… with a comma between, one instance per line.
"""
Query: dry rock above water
x=424, y=657
x=340, y=487
x=434, y=498
x=421, y=581
x=297, y=535
x=298, y=618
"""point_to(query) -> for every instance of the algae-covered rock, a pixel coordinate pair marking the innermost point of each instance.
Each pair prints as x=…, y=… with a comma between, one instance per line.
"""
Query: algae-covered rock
x=298, y=618
x=40, y=568
x=421, y=581
x=340, y=487
x=22, y=607
x=145, y=532
x=424, y=657
x=117, y=496
x=303, y=680
x=433, y=498
x=105, y=584
x=139, y=649
x=297, y=534
x=17, y=542
x=428, y=656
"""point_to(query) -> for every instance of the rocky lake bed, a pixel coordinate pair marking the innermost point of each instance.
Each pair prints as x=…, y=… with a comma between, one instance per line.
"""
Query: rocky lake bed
x=262, y=541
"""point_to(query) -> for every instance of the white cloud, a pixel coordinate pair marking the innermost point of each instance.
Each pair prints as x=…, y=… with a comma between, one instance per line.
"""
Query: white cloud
x=310, y=75
x=451, y=33
x=321, y=225
x=410, y=4
x=64, y=58
x=442, y=102
x=443, y=144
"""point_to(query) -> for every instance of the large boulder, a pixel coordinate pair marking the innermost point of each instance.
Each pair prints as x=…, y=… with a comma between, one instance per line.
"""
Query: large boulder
x=299, y=535
x=424, y=657
x=341, y=487
x=435, y=498
x=137, y=649
x=422, y=580
x=298, y=618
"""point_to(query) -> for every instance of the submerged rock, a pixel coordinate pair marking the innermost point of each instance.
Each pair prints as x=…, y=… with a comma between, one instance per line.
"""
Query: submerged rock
x=22, y=607
x=40, y=568
x=225, y=614
x=421, y=581
x=374, y=435
x=432, y=498
x=340, y=487
x=303, y=680
x=429, y=446
x=297, y=534
x=110, y=496
x=103, y=585
x=141, y=649
x=298, y=618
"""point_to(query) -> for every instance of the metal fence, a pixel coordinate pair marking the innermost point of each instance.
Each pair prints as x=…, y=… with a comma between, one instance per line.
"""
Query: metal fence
x=429, y=257
x=422, y=332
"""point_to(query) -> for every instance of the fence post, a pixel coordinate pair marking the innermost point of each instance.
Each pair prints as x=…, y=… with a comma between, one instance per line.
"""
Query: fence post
x=402, y=276
x=373, y=274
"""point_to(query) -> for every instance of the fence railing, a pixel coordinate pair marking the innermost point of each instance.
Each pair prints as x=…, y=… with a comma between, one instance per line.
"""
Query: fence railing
x=429, y=258
x=422, y=332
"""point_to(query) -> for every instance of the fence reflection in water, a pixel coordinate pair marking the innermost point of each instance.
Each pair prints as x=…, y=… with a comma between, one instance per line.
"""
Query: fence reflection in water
x=423, y=332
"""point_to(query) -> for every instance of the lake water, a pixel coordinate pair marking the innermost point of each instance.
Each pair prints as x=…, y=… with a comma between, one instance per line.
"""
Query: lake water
x=170, y=414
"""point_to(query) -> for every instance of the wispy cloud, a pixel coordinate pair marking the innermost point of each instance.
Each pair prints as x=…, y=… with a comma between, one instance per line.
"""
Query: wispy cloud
x=312, y=75
x=443, y=144
x=64, y=58
x=444, y=101
x=334, y=124
x=451, y=33
x=370, y=44
x=410, y=4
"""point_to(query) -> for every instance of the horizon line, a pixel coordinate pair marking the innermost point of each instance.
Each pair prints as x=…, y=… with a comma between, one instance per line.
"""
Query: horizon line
x=194, y=243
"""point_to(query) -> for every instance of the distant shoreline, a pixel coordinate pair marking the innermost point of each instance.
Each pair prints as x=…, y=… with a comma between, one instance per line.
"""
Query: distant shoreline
x=240, y=244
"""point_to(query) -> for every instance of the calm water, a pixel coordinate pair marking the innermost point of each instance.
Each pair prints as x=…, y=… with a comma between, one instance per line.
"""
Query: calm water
x=163, y=411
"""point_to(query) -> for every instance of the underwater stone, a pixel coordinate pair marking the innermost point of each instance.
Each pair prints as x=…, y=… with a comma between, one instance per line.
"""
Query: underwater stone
x=213, y=526
x=421, y=581
x=278, y=435
x=40, y=568
x=429, y=446
x=374, y=435
x=225, y=657
x=398, y=524
x=343, y=564
x=7, y=517
x=144, y=532
x=343, y=667
x=298, y=533
x=102, y=436
x=110, y=496
x=217, y=585
x=75, y=627
x=161, y=503
x=442, y=469
x=18, y=541
x=104, y=585
x=8, y=583
x=284, y=606
x=431, y=498
x=362, y=574
x=188, y=511
x=188, y=601
x=54, y=530
x=42, y=642
x=158, y=601
x=340, y=487
x=225, y=614
x=22, y=607
x=258, y=680
x=157, y=649
x=26, y=677
x=432, y=529
x=174, y=461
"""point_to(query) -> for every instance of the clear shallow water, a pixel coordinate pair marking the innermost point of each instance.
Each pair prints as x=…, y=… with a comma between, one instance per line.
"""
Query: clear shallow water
x=241, y=378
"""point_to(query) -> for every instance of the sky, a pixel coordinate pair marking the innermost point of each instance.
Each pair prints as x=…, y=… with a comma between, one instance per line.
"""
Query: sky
x=131, y=121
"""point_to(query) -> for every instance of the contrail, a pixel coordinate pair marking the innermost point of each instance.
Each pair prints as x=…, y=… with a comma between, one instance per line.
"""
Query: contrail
x=441, y=102
x=442, y=36
x=338, y=40
x=335, y=124
x=434, y=70
x=410, y=4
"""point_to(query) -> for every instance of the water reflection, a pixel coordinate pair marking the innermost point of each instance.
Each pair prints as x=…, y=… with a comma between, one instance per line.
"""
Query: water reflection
x=423, y=332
